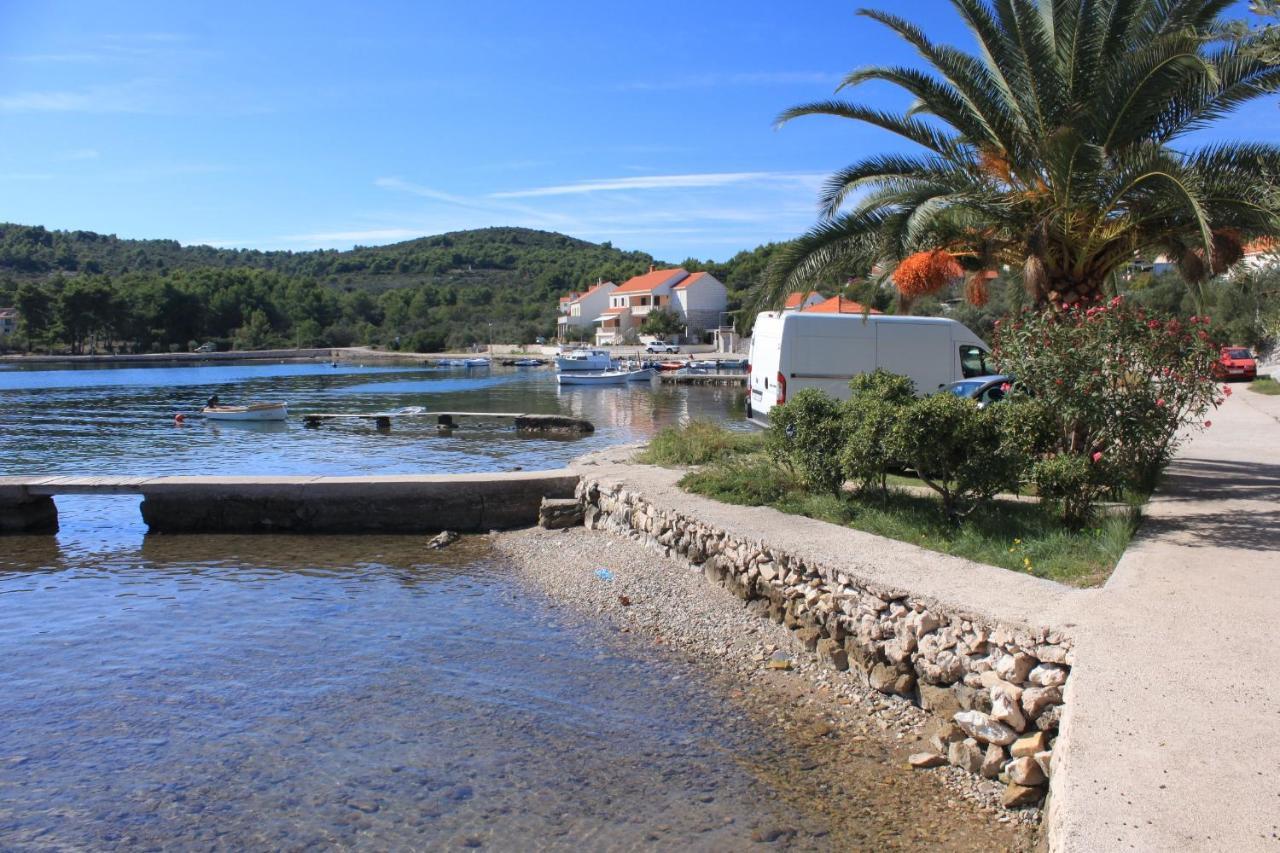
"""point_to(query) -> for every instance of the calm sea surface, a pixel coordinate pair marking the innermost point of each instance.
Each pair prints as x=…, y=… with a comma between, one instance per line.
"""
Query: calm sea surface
x=268, y=692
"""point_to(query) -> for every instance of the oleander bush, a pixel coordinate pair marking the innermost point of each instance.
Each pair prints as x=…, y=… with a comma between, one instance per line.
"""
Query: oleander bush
x=1122, y=388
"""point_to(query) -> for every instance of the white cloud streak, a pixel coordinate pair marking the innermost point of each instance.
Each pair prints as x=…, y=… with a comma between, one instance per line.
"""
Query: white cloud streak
x=660, y=182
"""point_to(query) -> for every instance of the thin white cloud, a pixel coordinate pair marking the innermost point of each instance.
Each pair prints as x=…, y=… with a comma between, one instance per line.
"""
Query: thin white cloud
x=130, y=97
x=82, y=154
x=660, y=182
x=26, y=176
x=544, y=219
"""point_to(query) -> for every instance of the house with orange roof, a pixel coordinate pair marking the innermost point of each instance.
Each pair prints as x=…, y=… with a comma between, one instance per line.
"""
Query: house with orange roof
x=839, y=305
x=697, y=300
x=578, y=310
x=801, y=301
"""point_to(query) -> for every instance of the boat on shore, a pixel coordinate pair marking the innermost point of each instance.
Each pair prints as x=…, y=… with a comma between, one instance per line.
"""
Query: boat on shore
x=252, y=412
x=604, y=377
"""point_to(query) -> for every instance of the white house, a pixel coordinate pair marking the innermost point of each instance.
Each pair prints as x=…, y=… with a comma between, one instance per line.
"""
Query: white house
x=8, y=322
x=697, y=300
x=579, y=310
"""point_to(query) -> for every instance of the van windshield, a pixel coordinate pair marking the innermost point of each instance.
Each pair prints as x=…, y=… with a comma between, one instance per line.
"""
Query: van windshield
x=973, y=361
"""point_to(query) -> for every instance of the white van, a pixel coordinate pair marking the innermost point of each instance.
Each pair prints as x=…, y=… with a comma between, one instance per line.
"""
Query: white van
x=794, y=350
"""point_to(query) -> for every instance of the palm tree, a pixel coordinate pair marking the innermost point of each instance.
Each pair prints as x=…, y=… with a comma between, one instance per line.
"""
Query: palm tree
x=1053, y=150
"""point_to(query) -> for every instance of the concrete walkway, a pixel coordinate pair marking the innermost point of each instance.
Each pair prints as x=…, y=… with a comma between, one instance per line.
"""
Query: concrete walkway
x=1172, y=737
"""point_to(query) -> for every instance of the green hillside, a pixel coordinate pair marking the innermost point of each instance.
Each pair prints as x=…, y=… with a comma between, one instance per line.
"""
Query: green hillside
x=80, y=288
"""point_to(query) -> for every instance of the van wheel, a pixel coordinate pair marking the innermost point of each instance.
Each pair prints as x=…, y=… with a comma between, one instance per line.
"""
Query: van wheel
x=749, y=412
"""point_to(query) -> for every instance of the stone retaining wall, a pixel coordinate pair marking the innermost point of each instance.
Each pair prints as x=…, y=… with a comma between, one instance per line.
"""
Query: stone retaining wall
x=996, y=690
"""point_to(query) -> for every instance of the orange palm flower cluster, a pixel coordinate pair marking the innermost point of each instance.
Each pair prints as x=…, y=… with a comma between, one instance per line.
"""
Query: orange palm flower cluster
x=926, y=272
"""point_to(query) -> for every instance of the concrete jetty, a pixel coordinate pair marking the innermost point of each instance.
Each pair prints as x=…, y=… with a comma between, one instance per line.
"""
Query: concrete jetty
x=395, y=503
x=525, y=423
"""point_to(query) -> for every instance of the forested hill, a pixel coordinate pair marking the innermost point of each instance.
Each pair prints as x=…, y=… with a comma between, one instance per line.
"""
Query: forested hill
x=540, y=258
x=78, y=289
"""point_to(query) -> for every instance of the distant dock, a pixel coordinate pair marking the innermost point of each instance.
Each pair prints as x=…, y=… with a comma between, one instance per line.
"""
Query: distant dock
x=730, y=379
x=524, y=422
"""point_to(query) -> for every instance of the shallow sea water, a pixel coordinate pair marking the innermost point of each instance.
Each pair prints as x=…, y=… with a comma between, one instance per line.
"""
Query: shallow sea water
x=269, y=692
x=288, y=692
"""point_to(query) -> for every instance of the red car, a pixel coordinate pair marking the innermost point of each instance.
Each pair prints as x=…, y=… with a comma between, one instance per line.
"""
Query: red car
x=1235, y=363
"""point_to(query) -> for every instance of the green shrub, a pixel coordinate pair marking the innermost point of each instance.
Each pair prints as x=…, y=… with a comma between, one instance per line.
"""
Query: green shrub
x=697, y=443
x=870, y=413
x=807, y=434
x=1028, y=426
x=1069, y=485
x=956, y=449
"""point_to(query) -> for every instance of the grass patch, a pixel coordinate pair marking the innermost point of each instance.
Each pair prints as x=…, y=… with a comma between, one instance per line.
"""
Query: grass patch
x=1013, y=535
x=698, y=443
x=1265, y=385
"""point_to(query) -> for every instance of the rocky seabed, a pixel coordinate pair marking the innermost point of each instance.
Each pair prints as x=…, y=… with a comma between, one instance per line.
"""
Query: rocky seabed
x=996, y=691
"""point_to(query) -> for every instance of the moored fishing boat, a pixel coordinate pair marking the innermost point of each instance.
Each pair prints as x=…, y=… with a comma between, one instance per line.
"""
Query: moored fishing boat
x=475, y=362
x=605, y=377
x=641, y=374
x=252, y=412
x=584, y=359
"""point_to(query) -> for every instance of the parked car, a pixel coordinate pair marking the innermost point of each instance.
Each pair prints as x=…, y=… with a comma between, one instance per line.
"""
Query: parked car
x=207, y=347
x=1235, y=363
x=794, y=350
x=662, y=346
x=984, y=389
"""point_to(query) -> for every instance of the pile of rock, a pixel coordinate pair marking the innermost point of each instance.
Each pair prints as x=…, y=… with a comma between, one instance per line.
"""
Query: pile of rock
x=996, y=689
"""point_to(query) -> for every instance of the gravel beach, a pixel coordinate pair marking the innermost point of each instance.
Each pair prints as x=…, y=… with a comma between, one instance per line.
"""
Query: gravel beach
x=847, y=745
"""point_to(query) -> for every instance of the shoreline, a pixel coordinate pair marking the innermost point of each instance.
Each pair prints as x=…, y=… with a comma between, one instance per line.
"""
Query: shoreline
x=862, y=737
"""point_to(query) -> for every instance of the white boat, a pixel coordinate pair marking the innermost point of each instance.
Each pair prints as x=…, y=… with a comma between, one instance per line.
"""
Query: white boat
x=253, y=412
x=451, y=362
x=604, y=377
x=476, y=362
x=584, y=359
x=583, y=377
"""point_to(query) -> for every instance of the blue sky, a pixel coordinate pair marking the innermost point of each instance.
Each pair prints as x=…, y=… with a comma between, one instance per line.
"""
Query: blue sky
x=301, y=126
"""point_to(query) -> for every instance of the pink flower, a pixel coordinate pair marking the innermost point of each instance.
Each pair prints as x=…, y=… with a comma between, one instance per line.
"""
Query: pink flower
x=1226, y=390
x=1160, y=402
x=1097, y=455
x=1208, y=424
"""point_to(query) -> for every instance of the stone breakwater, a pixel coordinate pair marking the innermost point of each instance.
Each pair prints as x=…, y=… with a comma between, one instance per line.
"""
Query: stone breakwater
x=996, y=690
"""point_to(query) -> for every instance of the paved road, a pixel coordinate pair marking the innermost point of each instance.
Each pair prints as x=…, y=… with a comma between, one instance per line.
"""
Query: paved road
x=1174, y=737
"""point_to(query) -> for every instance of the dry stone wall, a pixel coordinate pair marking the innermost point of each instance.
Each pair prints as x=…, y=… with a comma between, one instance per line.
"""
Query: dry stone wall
x=996, y=690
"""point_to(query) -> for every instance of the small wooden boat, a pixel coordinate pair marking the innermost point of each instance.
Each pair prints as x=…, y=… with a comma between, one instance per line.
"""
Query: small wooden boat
x=666, y=366
x=253, y=412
